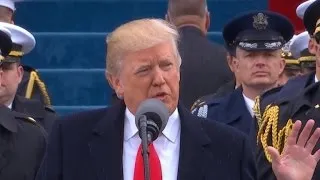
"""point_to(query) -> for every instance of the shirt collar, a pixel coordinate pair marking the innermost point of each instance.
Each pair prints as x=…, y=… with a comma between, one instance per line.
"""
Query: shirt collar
x=249, y=104
x=170, y=131
x=315, y=79
x=10, y=106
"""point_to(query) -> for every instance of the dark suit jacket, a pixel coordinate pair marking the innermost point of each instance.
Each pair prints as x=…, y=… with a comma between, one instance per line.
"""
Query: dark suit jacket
x=22, y=146
x=89, y=145
x=204, y=66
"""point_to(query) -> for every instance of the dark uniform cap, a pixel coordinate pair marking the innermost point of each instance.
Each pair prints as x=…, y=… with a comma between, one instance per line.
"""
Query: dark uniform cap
x=5, y=43
x=258, y=30
x=311, y=16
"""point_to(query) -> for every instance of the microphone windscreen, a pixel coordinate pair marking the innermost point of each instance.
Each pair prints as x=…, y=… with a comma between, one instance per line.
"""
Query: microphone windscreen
x=154, y=110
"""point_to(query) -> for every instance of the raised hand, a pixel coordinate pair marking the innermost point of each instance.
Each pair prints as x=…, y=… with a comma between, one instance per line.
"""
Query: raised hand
x=297, y=161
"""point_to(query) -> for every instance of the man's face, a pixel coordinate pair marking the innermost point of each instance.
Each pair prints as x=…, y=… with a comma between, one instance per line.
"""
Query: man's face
x=317, y=53
x=149, y=73
x=6, y=15
x=314, y=48
x=11, y=77
x=259, y=68
x=232, y=66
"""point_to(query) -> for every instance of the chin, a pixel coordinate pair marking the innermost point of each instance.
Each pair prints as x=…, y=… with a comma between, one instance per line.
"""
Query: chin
x=171, y=106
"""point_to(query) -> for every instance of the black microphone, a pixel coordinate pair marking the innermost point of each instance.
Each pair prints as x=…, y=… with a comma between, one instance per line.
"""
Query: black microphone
x=156, y=114
x=151, y=118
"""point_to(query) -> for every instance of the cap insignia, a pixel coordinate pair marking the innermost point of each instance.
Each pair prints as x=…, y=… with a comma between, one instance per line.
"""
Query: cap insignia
x=260, y=21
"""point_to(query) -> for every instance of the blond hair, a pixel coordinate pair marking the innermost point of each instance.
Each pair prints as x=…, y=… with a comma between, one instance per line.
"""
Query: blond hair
x=138, y=35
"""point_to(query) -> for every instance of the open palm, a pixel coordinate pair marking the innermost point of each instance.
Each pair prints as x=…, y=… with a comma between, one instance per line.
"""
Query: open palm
x=297, y=161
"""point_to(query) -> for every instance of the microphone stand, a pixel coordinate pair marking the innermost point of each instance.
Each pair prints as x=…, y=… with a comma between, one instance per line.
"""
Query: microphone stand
x=145, y=137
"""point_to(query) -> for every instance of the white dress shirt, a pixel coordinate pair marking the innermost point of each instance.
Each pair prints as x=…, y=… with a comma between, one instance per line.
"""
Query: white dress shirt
x=315, y=79
x=249, y=104
x=167, y=146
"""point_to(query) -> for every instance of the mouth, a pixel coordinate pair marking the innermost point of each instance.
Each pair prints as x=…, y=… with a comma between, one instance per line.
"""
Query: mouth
x=161, y=95
x=260, y=73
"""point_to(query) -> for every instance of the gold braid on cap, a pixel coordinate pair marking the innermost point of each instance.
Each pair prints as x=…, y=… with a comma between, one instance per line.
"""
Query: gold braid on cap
x=16, y=53
x=292, y=61
x=35, y=78
x=269, y=127
x=307, y=59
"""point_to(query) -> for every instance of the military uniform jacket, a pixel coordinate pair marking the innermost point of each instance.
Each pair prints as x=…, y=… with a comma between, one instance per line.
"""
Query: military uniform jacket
x=22, y=146
x=296, y=101
x=32, y=87
x=33, y=108
x=230, y=110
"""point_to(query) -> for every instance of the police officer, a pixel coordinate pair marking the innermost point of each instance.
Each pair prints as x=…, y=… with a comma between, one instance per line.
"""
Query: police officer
x=297, y=100
x=31, y=86
x=23, y=43
x=254, y=40
x=22, y=140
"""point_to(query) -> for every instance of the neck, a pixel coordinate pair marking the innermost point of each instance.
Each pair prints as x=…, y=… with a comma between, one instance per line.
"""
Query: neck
x=253, y=92
x=238, y=84
x=6, y=102
x=190, y=20
x=318, y=74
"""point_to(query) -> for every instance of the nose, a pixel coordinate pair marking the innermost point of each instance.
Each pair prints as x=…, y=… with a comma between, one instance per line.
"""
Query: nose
x=158, y=78
x=260, y=61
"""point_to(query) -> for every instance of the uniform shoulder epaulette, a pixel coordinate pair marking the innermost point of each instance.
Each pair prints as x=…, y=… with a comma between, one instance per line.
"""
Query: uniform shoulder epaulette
x=32, y=121
x=199, y=102
x=208, y=99
x=200, y=107
x=50, y=109
x=27, y=119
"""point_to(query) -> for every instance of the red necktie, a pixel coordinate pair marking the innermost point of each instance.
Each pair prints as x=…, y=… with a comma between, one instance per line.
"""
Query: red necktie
x=155, y=166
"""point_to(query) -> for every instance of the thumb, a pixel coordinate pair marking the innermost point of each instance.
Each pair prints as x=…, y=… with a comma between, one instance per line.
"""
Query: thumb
x=275, y=156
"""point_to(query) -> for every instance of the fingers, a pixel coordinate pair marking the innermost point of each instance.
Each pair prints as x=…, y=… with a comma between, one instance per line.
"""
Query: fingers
x=292, y=138
x=313, y=140
x=317, y=155
x=305, y=134
x=275, y=155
